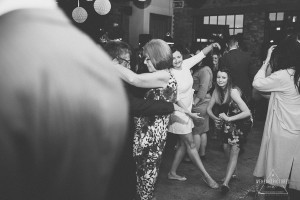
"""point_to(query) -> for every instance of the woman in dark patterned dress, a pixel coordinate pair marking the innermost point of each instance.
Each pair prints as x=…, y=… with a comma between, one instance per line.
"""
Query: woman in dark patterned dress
x=235, y=120
x=151, y=132
x=149, y=141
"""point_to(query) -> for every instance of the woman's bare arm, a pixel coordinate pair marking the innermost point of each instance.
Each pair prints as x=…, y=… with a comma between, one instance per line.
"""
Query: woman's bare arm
x=192, y=61
x=236, y=97
x=158, y=79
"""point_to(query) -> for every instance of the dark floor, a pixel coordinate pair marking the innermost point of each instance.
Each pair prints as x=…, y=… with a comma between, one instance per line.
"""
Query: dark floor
x=194, y=188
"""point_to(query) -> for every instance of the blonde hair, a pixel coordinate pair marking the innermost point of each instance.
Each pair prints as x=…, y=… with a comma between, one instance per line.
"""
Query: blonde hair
x=159, y=53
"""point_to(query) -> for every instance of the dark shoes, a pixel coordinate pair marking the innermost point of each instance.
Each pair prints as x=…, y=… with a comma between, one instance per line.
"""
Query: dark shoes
x=224, y=189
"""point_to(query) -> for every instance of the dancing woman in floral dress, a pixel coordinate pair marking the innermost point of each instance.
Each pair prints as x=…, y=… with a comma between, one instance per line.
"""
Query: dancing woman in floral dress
x=234, y=120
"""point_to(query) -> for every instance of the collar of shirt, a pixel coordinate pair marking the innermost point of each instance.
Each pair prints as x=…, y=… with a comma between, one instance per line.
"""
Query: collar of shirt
x=11, y=5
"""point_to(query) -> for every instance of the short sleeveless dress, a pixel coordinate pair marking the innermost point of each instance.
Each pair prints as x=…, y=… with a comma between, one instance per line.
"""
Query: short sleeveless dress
x=150, y=139
x=235, y=133
x=180, y=123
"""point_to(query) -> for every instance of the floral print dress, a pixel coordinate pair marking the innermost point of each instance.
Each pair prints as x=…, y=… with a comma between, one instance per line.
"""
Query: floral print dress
x=149, y=141
x=235, y=133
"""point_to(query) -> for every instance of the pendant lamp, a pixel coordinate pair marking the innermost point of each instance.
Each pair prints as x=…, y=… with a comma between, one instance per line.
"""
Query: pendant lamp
x=102, y=7
x=79, y=14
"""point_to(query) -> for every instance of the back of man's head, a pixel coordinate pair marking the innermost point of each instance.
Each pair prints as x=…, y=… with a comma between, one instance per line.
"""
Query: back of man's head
x=117, y=48
x=232, y=41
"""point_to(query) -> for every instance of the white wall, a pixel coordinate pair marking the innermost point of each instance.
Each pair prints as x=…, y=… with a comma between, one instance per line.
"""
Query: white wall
x=139, y=21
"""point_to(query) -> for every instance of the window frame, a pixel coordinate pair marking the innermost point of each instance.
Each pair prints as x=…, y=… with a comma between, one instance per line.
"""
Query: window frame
x=232, y=29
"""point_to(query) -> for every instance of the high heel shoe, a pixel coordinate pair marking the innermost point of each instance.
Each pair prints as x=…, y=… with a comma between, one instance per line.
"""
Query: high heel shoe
x=210, y=182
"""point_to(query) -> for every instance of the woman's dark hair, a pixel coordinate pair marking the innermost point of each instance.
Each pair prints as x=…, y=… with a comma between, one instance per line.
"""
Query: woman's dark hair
x=178, y=47
x=287, y=56
x=224, y=95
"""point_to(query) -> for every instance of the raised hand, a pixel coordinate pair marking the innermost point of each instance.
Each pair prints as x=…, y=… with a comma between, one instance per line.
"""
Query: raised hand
x=216, y=45
x=270, y=51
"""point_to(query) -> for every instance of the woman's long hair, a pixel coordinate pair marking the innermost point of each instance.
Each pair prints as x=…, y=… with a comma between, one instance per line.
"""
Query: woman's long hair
x=159, y=53
x=224, y=95
x=287, y=56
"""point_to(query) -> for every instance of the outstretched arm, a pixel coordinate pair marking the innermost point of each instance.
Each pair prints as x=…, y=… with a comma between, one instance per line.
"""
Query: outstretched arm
x=190, y=62
x=156, y=79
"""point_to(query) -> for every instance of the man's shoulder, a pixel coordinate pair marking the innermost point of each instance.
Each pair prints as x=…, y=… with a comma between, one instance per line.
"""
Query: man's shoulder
x=238, y=54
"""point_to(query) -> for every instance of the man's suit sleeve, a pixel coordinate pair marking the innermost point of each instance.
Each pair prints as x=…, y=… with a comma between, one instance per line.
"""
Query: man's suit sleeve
x=139, y=106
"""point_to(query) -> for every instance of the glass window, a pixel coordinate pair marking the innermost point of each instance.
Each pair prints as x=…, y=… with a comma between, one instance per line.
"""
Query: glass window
x=230, y=21
x=272, y=16
x=280, y=16
x=206, y=20
x=239, y=19
x=221, y=20
x=213, y=20
x=238, y=31
x=235, y=22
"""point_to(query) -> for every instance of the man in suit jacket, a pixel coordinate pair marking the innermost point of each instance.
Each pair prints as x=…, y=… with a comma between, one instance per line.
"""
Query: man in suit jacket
x=239, y=64
x=63, y=111
x=123, y=185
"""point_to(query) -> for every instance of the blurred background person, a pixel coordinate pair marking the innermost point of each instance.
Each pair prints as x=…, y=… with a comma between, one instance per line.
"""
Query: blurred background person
x=202, y=84
x=216, y=55
x=279, y=151
x=239, y=64
x=60, y=130
x=234, y=130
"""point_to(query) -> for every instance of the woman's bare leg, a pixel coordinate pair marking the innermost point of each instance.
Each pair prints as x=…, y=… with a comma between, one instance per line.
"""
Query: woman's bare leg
x=234, y=154
x=179, y=154
x=193, y=154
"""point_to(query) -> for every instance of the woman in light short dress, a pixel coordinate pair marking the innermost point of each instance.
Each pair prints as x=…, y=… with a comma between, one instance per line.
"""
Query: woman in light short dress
x=182, y=124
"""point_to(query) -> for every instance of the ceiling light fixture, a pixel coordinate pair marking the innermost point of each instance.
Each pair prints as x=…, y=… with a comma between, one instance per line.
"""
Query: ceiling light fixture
x=102, y=7
x=79, y=14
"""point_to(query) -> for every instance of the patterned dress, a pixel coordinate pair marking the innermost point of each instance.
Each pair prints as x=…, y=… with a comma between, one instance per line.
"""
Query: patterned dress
x=149, y=141
x=235, y=133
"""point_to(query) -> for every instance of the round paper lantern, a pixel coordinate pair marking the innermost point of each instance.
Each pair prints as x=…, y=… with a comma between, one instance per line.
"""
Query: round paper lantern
x=102, y=7
x=79, y=15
